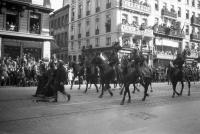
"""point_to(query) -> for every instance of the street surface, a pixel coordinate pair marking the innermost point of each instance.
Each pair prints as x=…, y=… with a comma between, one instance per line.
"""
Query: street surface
x=88, y=114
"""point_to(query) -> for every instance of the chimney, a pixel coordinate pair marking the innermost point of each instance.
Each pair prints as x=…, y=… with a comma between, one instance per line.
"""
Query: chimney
x=47, y=4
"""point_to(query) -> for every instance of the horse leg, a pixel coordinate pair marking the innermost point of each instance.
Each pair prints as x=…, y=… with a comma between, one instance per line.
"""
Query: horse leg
x=95, y=84
x=129, y=94
x=182, y=86
x=122, y=89
x=151, y=87
x=79, y=82
x=72, y=82
x=102, y=90
x=123, y=99
x=189, y=85
x=90, y=85
x=86, y=86
x=174, y=89
x=146, y=85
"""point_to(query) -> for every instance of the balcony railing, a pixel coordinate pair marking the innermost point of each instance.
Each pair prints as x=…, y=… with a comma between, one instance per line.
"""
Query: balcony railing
x=97, y=9
x=134, y=6
x=79, y=35
x=167, y=13
x=108, y=5
x=166, y=31
x=195, y=21
x=195, y=37
x=130, y=29
x=28, y=1
x=87, y=34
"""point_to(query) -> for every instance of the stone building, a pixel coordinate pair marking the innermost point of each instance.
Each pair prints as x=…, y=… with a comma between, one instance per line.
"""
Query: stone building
x=59, y=29
x=24, y=28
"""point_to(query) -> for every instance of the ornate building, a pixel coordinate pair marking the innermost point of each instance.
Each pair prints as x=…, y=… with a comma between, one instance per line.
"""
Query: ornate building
x=24, y=28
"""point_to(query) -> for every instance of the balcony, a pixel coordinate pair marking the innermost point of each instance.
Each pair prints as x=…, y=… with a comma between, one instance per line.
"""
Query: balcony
x=134, y=6
x=27, y=1
x=131, y=29
x=72, y=37
x=79, y=35
x=87, y=34
x=88, y=13
x=195, y=21
x=168, y=32
x=169, y=14
x=97, y=9
x=195, y=37
x=108, y=5
x=97, y=32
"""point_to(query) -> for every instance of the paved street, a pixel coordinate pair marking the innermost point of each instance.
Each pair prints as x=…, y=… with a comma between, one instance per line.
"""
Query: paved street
x=87, y=114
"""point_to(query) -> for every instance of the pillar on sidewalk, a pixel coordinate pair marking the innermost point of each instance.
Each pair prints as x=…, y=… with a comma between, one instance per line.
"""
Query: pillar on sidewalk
x=46, y=50
x=0, y=47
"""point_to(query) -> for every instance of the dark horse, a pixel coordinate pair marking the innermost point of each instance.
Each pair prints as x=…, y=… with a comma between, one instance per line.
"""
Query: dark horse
x=133, y=72
x=91, y=76
x=107, y=74
x=176, y=74
x=78, y=70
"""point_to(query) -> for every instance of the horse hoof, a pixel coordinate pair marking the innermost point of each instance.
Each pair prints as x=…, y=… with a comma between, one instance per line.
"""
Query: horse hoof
x=133, y=92
x=143, y=99
x=100, y=96
x=111, y=94
x=147, y=95
x=122, y=103
x=188, y=94
x=172, y=96
x=151, y=91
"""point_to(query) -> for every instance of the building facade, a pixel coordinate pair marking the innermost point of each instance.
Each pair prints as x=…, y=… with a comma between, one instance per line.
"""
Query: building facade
x=24, y=28
x=59, y=29
x=160, y=28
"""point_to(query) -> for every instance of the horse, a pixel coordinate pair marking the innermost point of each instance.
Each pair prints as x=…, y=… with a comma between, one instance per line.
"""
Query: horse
x=107, y=74
x=78, y=71
x=133, y=74
x=91, y=76
x=4, y=77
x=175, y=75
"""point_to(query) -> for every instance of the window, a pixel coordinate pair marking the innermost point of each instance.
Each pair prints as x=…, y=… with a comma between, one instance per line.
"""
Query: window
x=179, y=0
x=108, y=41
x=88, y=7
x=73, y=13
x=144, y=21
x=88, y=28
x=97, y=26
x=179, y=12
x=58, y=22
x=135, y=20
x=74, y=58
x=198, y=5
x=35, y=23
x=66, y=18
x=88, y=42
x=193, y=3
x=72, y=45
x=187, y=30
x=79, y=28
x=108, y=23
x=156, y=20
x=12, y=22
x=156, y=5
x=187, y=14
x=72, y=29
x=108, y=4
x=66, y=38
x=187, y=2
x=97, y=5
x=187, y=45
x=62, y=21
x=79, y=10
x=124, y=18
x=79, y=44
x=193, y=14
x=97, y=42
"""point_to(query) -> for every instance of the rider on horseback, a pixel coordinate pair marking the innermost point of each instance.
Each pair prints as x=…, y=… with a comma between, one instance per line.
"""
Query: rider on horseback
x=179, y=61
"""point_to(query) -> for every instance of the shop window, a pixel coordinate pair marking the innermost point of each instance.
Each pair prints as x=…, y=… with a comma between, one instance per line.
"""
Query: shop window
x=108, y=41
x=74, y=58
x=12, y=22
x=35, y=23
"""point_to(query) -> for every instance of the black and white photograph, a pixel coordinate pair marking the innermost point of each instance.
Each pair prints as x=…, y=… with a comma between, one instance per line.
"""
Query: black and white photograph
x=99, y=66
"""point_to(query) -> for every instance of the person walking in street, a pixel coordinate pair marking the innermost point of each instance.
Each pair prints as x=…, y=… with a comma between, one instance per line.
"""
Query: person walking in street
x=60, y=78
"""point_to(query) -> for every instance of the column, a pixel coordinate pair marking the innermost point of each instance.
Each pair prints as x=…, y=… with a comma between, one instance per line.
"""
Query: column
x=0, y=47
x=46, y=50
